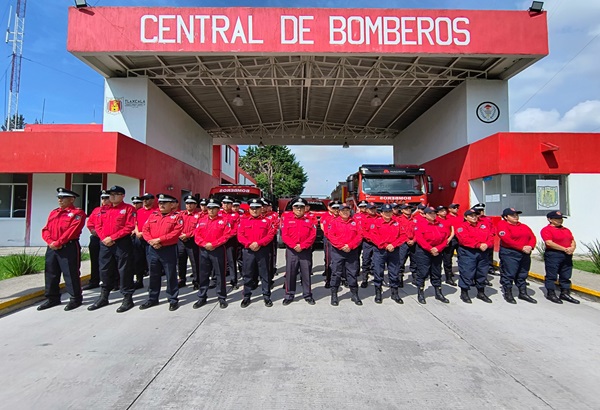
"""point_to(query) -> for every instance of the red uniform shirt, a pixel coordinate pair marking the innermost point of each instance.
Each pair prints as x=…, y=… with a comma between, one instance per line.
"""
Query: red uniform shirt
x=432, y=235
x=63, y=225
x=92, y=221
x=298, y=231
x=386, y=233
x=346, y=232
x=260, y=230
x=233, y=218
x=326, y=221
x=368, y=224
x=142, y=216
x=190, y=220
x=472, y=236
x=115, y=221
x=274, y=218
x=515, y=236
x=167, y=227
x=215, y=231
x=455, y=220
x=559, y=235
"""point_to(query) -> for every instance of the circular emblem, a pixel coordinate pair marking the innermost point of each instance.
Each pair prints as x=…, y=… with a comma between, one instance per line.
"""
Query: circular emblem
x=488, y=112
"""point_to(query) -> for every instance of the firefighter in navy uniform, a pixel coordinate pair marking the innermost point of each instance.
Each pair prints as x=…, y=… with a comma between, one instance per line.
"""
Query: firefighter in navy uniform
x=139, y=250
x=516, y=243
x=558, y=258
x=345, y=237
x=255, y=233
x=94, y=245
x=186, y=246
x=407, y=243
x=212, y=233
x=114, y=226
x=162, y=231
x=367, y=224
x=442, y=214
x=333, y=208
x=63, y=253
x=431, y=237
x=298, y=233
x=232, y=245
x=475, y=237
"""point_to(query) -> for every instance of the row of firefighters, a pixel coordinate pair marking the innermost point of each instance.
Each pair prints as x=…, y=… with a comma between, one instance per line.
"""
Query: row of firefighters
x=153, y=237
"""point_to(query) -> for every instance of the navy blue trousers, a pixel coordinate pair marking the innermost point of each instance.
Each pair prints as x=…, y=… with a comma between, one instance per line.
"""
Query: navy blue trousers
x=381, y=258
x=295, y=261
x=447, y=254
x=344, y=263
x=559, y=266
x=66, y=260
x=473, y=266
x=367, y=258
x=187, y=250
x=214, y=262
x=117, y=257
x=515, y=267
x=140, y=263
x=256, y=262
x=404, y=251
x=162, y=260
x=428, y=265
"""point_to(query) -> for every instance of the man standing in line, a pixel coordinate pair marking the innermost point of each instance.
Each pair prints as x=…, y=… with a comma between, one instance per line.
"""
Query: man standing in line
x=232, y=245
x=114, y=227
x=367, y=225
x=140, y=267
x=63, y=253
x=186, y=246
x=94, y=245
x=142, y=214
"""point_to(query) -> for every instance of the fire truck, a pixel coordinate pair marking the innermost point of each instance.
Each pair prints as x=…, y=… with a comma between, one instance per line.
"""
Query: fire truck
x=241, y=193
x=390, y=183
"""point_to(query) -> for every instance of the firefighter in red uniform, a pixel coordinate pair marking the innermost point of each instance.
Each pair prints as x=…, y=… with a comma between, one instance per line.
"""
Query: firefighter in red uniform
x=442, y=215
x=232, y=245
x=140, y=267
x=140, y=246
x=212, y=233
x=274, y=218
x=94, y=245
x=298, y=233
x=386, y=237
x=455, y=220
x=516, y=243
x=432, y=238
x=345, y=237
x=368, y=224
x=333, y=209
x=162, y=231
x=480, y=209
x=255, y=233
x=475, y=237
x=114, y=226
x=186, y=246
x=63, y=253
x=407, y=244
x=558, y=258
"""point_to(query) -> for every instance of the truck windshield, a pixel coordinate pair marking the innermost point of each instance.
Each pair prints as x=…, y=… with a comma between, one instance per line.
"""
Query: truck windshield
x=245, y=197
x=392, y=185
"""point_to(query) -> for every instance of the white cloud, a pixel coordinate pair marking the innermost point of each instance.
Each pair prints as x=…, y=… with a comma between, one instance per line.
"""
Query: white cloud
x=584, y=116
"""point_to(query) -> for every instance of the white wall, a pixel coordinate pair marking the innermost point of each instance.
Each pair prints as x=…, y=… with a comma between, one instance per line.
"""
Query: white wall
x=228, y=168
x=43, y=200
x=13, y=232
x=452, y=122
x=131, y=185
x=133, y=94
x=172, y=131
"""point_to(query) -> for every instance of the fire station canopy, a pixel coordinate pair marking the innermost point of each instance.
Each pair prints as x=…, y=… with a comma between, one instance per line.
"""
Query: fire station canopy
x=306, y=76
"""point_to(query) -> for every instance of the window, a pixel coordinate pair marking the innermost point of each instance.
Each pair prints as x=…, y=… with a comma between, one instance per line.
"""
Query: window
x=88, y=186
x=13, y=195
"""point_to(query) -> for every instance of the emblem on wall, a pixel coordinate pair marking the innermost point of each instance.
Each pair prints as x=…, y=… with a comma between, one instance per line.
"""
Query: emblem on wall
x=114, y=105
x=488, y=112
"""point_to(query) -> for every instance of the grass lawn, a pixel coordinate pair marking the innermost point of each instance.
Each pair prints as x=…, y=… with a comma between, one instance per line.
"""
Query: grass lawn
x=585, y=265
x=14, y=265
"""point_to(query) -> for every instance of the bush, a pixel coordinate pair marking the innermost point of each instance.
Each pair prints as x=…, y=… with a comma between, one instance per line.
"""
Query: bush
x=541, y=248
x=594, y=253
x=20, y=264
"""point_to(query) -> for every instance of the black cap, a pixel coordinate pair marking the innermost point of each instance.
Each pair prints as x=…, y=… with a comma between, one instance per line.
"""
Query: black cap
x=190, y=199
x=395, y=205
x=147, y=196
x=422, y=206
x=299, y=202
x=363, y=203
x=510, y=211
x=335, y=204
x=345, y=206
x=166, y=198
x=480, y=206
x=227, y=200
x=203, y=201
x=116, y=189
x=440, y=207
x=470, y=212
x=255, y=203
x=404, y=206
x=213, y=203
x=555, y=215
x=104, y=194
x=453, y=205
x=236, y=203
x=63, y=192
x=386, y=208
x=429, y=210
x=136, y=200
x=371, y=205
x=265, y=202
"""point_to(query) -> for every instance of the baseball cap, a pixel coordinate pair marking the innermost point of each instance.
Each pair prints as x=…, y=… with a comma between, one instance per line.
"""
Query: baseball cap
x=422, y=206
x=555, y=215
x=345, y=206
x=116, y=189
x=509, y=211
x=147, y=196
x=428, y=210
x=470, y=212
x=386, y=208
x=453, y=205
x=439, y=208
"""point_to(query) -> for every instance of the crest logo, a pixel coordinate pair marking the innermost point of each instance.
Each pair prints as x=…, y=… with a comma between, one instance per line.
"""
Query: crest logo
x=547, y=197
x=488, y=112
x=114, y=105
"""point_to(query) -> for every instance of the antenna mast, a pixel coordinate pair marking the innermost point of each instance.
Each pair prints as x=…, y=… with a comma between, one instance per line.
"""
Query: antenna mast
x=16, y=38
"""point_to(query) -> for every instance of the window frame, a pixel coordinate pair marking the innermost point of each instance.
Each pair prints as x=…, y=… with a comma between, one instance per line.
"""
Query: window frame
x=12, y=199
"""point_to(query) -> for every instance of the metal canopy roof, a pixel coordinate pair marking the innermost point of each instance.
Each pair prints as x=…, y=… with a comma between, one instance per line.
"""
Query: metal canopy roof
x=306, y=99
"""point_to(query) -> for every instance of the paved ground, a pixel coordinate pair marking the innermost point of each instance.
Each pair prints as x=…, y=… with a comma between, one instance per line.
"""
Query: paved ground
x=296, y=357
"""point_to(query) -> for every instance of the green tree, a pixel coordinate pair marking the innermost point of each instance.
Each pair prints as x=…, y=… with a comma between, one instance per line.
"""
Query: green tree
x=16, y=123
x=275, y=170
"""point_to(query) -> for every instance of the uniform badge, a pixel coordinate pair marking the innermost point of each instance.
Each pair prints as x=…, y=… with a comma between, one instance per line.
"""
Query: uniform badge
x=459, y=230
x=352, y=223
x=123, y=212
x=78, y=217
x=501, y=233
x=221, y=222
x=173, y=216
x=441, y=225
x=372, y=226
x=483, y=226
x=264, y=220
x=180, y=222
x=70, y=214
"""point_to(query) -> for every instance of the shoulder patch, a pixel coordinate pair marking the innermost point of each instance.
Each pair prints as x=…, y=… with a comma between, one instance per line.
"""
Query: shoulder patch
x=501, y=233
x=352, y=223
x=483, y=226
x=78, y=217
x=459, y=230
x=441, y=225
x=122, y=211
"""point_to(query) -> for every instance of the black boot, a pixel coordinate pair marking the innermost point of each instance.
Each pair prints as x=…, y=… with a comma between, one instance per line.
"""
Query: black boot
x=450, y=279
x=334, y=296
x=101, y=301
x=565, y=294
x=421, y=296
x=508, y=296
x=126, y=304
x=354, y=298
x=378, y=298
x=551, y=296
x=395, y=297
x=524, y=296
x=401, y=284
x=48, y=304
x=464, y=296
x=439, y=295
x=482, y=296
x=365, y=281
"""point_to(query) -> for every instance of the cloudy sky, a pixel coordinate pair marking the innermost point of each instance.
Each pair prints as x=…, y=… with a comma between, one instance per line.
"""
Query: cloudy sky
x=559, y=93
